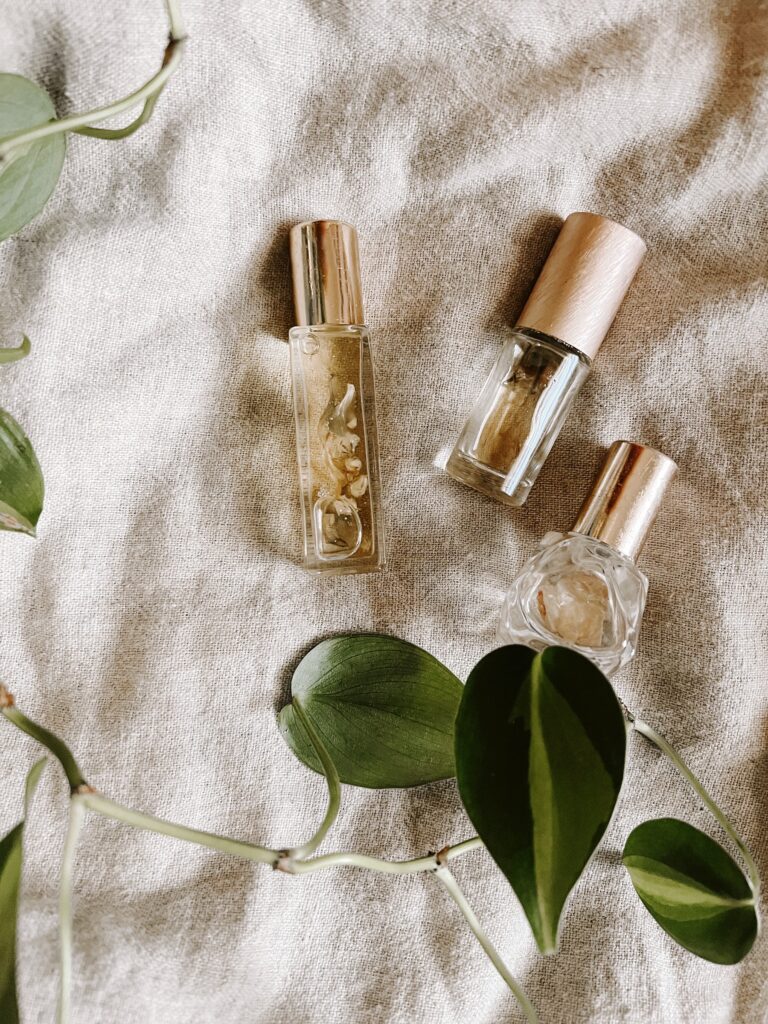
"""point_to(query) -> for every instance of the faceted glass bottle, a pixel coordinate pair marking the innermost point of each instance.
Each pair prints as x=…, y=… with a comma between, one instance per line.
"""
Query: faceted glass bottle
x=333, y=393
x=577, y=592
x=518, y=416
x=524, y=403
x=582, y=589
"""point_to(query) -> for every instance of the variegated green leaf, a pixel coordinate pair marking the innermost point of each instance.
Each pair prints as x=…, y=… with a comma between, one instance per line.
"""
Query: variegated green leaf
x=693, y=888
x=29, y=173
x=10, y=876
x=21, y=479
x=540, y=747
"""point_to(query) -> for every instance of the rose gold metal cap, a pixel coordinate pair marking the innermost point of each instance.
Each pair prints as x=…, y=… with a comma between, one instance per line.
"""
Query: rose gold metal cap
x=622, y=505
x=580, y=287
x=326, y=273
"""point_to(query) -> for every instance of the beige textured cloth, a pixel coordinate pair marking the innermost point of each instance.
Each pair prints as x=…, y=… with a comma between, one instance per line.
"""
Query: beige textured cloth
x=155, y=620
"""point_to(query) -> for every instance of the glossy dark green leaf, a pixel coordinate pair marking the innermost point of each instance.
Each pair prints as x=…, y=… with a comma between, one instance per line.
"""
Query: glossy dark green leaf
x=383, y=708
x=21, y=479
x=540, y=748
x=10, y=876
x=29, y=173
x=693, y=888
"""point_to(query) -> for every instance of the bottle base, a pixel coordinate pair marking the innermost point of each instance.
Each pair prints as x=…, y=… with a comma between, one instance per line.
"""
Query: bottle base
x=350, y=567
x=483, y=479
x=608, y=663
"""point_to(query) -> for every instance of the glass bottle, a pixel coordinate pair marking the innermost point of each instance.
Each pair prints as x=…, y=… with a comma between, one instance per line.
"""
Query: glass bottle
x=333, y=392
x=522, y=407
x=582, y=589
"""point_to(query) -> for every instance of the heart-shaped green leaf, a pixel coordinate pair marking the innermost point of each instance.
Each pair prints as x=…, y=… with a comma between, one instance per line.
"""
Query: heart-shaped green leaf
x=29, y=173
x=21, y=479
x=693, y=888
x=10, y=876
x=540, y=748
x=384, y=709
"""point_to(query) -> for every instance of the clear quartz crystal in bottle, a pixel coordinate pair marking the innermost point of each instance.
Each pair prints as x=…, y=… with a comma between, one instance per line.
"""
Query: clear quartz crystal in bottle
x=333, y=391
x=526, y=398
x=582, y=589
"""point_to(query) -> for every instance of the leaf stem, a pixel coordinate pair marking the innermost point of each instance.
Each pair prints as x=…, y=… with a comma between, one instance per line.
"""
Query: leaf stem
x=387, y=867
x=449, y=883
x=334, y=787
x=12, y=355
x=76, y=814
x=57, y=747
x=291, y=861
x=175, y=22
x=284, y=860
x=666, y=747
x=237, y=847
x=171, y=59
x=123, y=133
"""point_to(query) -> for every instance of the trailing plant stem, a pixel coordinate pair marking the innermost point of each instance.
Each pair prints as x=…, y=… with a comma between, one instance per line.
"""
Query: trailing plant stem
x=122, y=133
x=293, y=861
x=665, y=747
x=57, y=747
x=449, y=883
x=175, y=23
x=334, y=787
x=76, y=814
x=237, y=847
x=147, y=92
x=387, y=867
x=285, y=860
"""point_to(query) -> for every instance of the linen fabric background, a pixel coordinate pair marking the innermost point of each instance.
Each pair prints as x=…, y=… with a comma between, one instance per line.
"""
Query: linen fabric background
x=155, y=621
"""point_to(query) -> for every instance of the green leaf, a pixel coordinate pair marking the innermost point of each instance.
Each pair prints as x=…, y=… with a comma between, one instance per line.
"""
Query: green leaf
x=540, y=749
x=693, y=888
x=21, y=479
x=10, y=876
x=29, y=173
x=383, y=708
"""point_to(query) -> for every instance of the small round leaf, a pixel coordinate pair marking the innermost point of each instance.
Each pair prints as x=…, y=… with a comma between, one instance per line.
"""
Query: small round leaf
x=29, y=173
x=693, y=889
x=384, y=709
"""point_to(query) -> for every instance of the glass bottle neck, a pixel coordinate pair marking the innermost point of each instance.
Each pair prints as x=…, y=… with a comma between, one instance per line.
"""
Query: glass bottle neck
x=546, y=339
x=554, y=536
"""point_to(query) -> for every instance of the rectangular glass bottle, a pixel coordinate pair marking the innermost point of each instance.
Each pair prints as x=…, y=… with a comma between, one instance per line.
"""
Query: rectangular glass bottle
x=333, y=393
x=518, y=416
x=524, y=402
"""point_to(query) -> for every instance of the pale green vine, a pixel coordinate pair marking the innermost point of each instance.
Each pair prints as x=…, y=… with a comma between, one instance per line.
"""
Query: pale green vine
x=717, y=812
x=294, y=861
x=147, y=93
x=76, y=815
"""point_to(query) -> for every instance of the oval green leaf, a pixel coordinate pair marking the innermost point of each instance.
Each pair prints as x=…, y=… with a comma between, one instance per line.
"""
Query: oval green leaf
x=693, y=889
x=29, y=173
x=21, y=479
x=10, y=877
x=383, y=708
x=540, y=749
